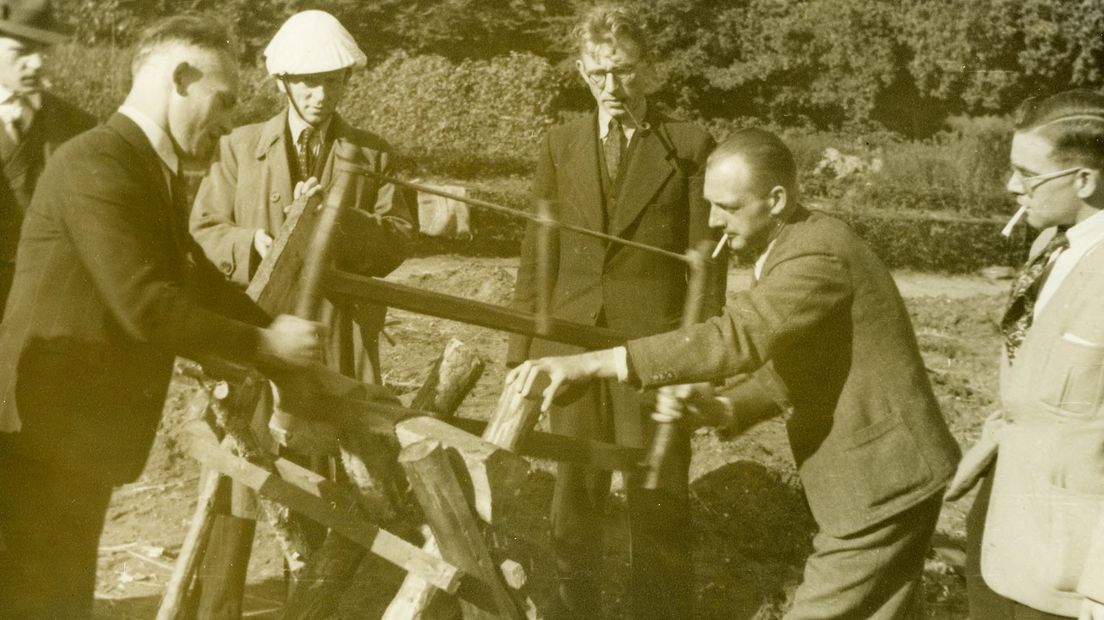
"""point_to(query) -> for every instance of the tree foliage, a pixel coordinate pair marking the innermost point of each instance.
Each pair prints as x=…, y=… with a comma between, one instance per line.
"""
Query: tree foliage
x=906, y=65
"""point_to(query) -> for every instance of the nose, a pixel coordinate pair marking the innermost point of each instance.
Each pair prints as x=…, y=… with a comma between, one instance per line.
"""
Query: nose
x=33, y=61
x=717, y=217
x=1015, y=185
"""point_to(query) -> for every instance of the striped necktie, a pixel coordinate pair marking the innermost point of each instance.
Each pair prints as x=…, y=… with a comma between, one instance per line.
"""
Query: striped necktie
x=303, y=151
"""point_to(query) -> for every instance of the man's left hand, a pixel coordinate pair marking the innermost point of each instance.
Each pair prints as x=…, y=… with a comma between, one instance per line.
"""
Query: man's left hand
x=1091, y=610
x=561, y=372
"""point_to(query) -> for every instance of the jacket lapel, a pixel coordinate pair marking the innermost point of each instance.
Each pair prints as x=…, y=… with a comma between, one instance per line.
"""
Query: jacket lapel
x=650, y=166
x=581, y=165
x=272, y=148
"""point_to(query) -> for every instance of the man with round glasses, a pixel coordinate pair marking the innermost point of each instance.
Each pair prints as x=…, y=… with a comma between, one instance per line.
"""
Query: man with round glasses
x=1035, y=535
x=627, y=170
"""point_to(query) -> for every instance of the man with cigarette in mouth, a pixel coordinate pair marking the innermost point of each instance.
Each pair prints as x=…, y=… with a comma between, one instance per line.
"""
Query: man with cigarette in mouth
x=626, y=170
x=1035, y=534
x=823, y=338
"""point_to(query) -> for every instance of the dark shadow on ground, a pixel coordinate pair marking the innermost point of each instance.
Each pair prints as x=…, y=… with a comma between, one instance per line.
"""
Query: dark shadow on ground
x=754, y=532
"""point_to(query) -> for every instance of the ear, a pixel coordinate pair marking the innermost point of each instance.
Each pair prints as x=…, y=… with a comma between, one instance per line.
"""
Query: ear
x=183, y=76
x=582, y=70
x=778, y=199
x=1088, y=183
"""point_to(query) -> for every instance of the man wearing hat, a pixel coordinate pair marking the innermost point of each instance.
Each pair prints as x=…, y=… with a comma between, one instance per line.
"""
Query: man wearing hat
x=32, y=122
x=261, y=169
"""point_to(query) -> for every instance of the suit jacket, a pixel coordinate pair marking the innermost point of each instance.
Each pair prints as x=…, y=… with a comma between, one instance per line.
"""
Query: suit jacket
x=109, y=288
x=865, y=428
x=660, y=204
x=1043, y=543
x=250, y=184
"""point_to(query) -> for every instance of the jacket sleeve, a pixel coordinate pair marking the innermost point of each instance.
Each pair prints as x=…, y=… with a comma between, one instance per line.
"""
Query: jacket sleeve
x=109, y=214
x=525, y=287
x=375, y=237
x=782, y=311
x=212, y=223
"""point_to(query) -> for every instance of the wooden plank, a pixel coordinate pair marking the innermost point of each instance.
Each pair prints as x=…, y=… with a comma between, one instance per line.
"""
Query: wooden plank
x=449, y=380
x=334, y=511
x=469, y=311
x=448, y=513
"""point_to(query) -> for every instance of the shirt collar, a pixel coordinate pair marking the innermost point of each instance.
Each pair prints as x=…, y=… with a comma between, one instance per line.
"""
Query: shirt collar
x=160, y=141
x=296, y=125
x=604, y=119
x=34, y=100
x=1088, y=232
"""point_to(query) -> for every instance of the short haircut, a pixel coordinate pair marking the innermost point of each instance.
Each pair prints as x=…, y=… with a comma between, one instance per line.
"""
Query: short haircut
x=189, y=29
x=1073, y=123
x=769, y=159
x=611, y=23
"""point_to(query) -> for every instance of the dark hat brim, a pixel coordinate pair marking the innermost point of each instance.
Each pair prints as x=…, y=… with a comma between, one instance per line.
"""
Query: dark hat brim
x=29, y=32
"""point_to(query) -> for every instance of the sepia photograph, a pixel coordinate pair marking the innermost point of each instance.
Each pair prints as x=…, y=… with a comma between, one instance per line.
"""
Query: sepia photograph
x=551, y=309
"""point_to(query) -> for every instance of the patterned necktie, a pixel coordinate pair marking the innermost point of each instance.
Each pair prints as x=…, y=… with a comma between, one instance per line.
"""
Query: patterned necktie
x=1025, y=290
x=614, y=147
x=303, y=151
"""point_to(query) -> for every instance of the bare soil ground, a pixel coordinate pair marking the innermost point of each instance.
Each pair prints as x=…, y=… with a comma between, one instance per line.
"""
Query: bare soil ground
x=752, y=529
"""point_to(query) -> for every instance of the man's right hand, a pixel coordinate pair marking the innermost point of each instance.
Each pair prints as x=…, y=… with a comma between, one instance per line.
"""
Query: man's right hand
x=262, y=241
x=292, y=342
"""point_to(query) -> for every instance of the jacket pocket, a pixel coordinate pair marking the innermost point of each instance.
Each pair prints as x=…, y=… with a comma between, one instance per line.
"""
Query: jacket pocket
x=1074, y=517
x=1072, y=382
x=884, y=462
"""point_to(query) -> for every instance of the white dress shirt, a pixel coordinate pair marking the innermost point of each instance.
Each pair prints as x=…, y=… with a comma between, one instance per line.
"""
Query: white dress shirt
x=21, y=109
x=604, y=124
x=296, y=125
x=1082, y=237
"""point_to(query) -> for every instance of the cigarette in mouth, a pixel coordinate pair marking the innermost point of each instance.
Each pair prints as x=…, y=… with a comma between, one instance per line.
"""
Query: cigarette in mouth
x=721, y=244
x=1007, y=230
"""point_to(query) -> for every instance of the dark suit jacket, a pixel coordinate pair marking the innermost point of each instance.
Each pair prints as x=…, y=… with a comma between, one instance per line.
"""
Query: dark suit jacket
x=865, y=428
x=109, y=287
x=250, y=184
x=660, y=204
x=54, y=123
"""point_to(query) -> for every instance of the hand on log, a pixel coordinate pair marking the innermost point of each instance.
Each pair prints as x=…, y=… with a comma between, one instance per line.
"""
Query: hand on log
x=550, y=375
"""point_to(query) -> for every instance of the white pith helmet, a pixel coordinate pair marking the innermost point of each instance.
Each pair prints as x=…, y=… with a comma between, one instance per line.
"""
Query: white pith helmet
x=312, y=42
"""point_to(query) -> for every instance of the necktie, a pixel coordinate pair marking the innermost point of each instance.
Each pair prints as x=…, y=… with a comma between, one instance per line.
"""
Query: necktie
x=303, y=151
x=1025, y=290
x=614, y=147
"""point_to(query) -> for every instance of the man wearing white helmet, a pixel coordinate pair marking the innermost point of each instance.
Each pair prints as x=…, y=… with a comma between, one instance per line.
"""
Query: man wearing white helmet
x=261, y=169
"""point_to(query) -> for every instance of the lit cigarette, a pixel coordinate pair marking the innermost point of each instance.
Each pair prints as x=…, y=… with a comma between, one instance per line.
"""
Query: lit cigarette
x=1007, y=230
x=720, y=246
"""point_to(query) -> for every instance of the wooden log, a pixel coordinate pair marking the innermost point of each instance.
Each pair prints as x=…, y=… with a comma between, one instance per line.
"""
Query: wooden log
x=449, y=380
x=191, y=551
x=334, y=510
x=317, y=590
x=452, y=376
x=513, y=418
x=448, y=512
x=494, y=474
x=469, y=311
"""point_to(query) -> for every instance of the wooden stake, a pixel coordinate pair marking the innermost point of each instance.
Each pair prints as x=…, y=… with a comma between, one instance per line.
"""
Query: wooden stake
x=191, y=552
x=448, y=513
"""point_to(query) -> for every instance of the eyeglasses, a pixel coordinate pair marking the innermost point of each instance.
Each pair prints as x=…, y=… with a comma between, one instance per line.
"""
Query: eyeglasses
x=598, y=77
x=1032, y=182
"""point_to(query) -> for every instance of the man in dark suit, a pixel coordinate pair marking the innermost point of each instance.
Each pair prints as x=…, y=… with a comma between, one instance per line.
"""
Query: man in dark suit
x=109, y=288
x=33, y=122
x=828, y=338
x=627, y=170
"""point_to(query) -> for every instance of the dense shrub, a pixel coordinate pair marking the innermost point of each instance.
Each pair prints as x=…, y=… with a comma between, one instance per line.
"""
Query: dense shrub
x=475, y=117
